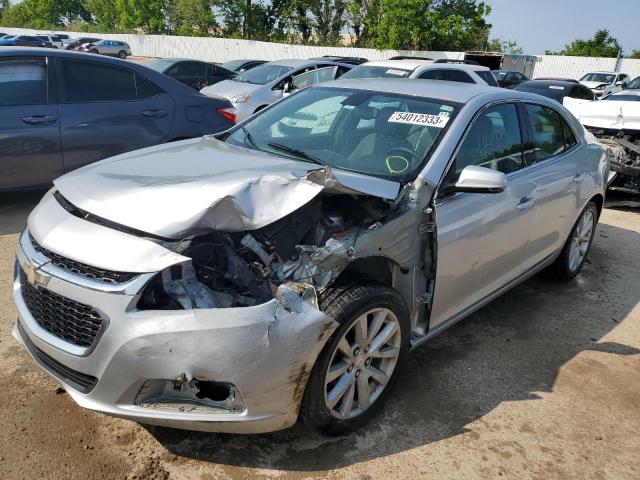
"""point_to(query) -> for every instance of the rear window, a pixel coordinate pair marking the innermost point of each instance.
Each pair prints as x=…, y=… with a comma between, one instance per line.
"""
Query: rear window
x=89, y=82
x=23, y=82
x=451, y=75
x=488, y=77
x=367, y=71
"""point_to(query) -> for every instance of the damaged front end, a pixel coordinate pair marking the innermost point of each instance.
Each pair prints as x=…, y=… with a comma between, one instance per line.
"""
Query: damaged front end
x=623, y=148
x=310, y=247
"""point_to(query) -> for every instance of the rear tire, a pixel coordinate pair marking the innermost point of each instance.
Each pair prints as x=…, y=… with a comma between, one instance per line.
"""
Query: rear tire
x=93, y=51
x=360, y=364
x=122, y=54
x=577, y=247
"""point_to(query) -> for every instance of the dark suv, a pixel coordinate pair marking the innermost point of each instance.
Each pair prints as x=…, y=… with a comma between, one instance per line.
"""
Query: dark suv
x=61, y=110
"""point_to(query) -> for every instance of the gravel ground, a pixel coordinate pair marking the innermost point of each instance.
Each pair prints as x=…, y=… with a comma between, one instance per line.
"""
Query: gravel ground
x=542, y=383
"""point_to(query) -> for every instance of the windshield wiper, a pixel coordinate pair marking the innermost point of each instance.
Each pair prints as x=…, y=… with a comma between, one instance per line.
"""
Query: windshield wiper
x=249, y=137
x=295, y=151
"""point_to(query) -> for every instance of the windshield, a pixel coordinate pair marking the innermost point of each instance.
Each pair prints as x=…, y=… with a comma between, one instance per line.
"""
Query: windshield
x=499, y=75
x=233, y=64
x=375, y=133
x=598, y=77
x=160, y=65
x=367, y=71
x=634, y=84
x=263, y=74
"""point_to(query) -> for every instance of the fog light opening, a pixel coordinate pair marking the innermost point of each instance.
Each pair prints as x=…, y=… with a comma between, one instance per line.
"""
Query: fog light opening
x=218, y=392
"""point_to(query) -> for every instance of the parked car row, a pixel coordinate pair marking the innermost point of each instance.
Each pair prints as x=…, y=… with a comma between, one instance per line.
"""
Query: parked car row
x=62, y=110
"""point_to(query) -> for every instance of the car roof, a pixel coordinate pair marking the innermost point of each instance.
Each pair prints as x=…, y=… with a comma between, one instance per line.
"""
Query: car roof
x=602, y=71
x=401, y=64
x=454, y=66
x=297, y=62
x=457, y=92
x=557, y=83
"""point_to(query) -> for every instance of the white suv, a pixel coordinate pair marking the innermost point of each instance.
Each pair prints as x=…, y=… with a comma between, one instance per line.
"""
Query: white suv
x=603, y=84
x=455, y=71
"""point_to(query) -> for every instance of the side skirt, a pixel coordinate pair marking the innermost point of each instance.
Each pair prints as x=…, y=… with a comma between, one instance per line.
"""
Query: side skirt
x=481, y=303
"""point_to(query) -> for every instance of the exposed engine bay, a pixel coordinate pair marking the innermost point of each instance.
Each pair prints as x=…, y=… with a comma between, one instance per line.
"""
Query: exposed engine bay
x=623, y=148
x=311, y=246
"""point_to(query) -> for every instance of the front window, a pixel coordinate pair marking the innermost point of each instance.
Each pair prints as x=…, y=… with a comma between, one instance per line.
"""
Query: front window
x=382, y=134
x=598, y=77
x=634, y=84
x=366, y=71
x=263, y=74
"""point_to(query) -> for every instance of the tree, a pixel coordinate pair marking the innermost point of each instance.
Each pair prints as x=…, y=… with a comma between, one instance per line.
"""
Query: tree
x=147, y=15
x=431, y=25
x=601, y=45
x=504, y=46
x=43, y=14
x=360, y=15
x=328, y=20
x=191, y=17
x=635, y=54
x=103, y=13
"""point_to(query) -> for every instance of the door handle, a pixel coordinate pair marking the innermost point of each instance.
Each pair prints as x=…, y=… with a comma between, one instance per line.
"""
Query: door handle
x=525, y=204
x=155, y=113
x=579, y=177
x=39, y=119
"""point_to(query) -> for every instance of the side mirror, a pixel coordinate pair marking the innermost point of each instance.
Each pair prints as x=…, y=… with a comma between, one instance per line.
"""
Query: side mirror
x=474, y=179
x=286, y=88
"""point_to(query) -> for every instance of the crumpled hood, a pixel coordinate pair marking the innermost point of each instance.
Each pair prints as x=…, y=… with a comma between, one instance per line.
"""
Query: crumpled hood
x=593, y=85
x=195, y=186
x=229, y=89
x=609, y=114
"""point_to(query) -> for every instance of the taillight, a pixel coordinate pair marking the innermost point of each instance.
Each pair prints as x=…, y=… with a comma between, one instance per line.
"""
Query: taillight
x=228, y=112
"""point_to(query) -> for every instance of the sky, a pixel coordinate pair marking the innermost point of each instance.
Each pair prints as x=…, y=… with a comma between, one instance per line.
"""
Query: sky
x=539, y=25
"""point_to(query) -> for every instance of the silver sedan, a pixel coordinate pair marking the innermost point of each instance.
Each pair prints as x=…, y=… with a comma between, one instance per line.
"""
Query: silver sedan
x=286, y=268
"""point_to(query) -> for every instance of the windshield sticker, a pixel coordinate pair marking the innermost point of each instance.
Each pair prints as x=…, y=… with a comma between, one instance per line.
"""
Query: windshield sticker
x=393, y=71
x=423, y=119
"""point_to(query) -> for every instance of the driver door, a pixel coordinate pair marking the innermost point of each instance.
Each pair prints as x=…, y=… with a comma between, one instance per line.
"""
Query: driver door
x=483, y=238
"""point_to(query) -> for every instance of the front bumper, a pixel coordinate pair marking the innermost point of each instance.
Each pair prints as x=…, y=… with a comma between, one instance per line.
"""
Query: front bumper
x=266, y=352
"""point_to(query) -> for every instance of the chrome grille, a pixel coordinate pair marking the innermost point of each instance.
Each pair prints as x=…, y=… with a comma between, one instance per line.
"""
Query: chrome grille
x=67, y=319
x=87, y=271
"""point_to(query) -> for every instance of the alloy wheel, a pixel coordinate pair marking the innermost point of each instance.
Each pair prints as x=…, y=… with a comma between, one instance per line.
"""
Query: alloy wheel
x=580, y=240
x=362, y=363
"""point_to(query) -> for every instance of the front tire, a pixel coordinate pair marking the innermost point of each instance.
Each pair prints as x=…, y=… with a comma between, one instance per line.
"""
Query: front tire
x=122, y=54
x=360, y=363
x=577, y=247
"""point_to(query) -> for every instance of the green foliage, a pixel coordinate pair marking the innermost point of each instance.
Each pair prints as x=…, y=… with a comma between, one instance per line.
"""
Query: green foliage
x=601, y=45
x=635, y=54
x=401, y=24
x=430, y=25
x=504, y=46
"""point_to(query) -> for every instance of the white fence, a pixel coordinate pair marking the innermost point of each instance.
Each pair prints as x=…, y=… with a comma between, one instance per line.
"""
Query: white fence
x=224, y=49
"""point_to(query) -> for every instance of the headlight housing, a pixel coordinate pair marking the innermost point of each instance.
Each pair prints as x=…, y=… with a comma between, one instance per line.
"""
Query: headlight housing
x=600, y=87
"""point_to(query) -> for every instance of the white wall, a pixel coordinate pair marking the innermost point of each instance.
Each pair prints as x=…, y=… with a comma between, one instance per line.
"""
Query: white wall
x=571, y=67
x=224, y=49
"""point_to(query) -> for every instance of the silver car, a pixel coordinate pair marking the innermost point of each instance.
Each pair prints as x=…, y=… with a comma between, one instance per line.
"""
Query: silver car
x=238, y=282
x=255, y=89
x=113, y=48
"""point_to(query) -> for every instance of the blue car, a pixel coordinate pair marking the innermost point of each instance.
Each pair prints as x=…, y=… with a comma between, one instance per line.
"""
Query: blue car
x=24, y=41
x=60, y=110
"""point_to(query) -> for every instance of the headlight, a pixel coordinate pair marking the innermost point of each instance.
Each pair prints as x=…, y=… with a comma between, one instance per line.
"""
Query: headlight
x=240, y=99
x=601, y=87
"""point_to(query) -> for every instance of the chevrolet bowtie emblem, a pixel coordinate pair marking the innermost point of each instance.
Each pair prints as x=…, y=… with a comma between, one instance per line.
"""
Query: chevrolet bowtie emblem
x=34, y=276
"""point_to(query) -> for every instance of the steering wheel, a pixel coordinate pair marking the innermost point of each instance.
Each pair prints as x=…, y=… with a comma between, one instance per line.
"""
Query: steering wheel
x=399, y=159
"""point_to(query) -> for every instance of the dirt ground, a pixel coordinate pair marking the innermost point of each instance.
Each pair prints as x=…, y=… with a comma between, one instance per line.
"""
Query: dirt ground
x=542, y=383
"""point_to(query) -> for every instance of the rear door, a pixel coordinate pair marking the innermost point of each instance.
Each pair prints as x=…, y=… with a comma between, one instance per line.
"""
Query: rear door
x=29, y=123
x=559, y=168
x=106, y=110
x=483, y=238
